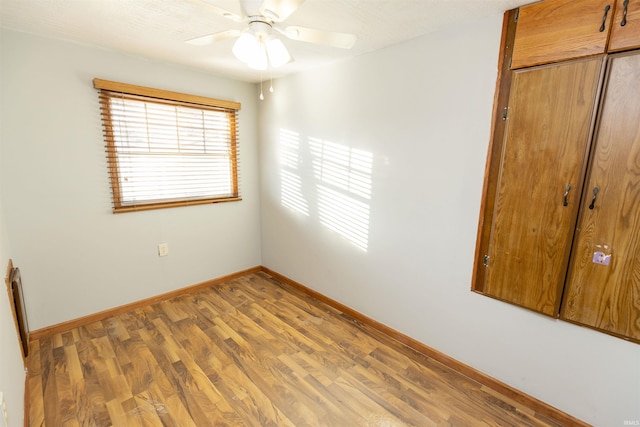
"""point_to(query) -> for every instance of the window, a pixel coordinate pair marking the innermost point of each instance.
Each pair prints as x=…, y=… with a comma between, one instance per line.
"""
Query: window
x=168, y=149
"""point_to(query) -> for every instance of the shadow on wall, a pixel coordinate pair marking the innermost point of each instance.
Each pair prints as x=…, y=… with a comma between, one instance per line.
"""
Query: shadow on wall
x=336, y=190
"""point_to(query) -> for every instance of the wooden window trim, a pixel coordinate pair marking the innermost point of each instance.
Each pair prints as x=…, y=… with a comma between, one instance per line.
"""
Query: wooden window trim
x=163, y=94
x=170, y=98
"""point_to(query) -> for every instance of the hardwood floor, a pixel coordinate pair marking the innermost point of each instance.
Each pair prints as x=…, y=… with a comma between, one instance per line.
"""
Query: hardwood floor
x=254, y=352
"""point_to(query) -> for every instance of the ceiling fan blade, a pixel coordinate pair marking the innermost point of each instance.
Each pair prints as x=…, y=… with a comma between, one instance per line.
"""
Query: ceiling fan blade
x=327, y=38
x=279, y=10
x=222, y=12
x=210, y=38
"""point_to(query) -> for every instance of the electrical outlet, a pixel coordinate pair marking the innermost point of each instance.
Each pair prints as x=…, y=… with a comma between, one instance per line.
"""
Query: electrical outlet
x=163, y=249
x=3, y=406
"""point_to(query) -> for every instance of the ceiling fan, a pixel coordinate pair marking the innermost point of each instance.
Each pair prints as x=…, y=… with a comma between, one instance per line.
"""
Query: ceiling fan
x=258, y=45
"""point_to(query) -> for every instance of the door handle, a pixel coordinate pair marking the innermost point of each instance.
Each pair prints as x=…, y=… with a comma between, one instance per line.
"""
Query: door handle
x=624, y=13
x=604, y=18
x=596, y=190
x=565, y=202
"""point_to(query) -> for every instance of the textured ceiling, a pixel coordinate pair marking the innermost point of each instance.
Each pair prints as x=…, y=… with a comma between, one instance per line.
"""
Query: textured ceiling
x=158, y=29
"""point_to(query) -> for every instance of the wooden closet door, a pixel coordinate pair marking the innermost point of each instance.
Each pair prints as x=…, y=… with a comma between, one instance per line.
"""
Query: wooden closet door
x=607, y=297
x=557, y=30
x=546, y=144
x=625, y=29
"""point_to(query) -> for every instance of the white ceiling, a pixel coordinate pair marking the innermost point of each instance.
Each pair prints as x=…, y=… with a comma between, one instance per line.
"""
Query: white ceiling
x=158, y=29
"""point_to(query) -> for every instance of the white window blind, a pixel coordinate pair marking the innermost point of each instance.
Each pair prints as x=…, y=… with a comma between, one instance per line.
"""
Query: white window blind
x=168, y=149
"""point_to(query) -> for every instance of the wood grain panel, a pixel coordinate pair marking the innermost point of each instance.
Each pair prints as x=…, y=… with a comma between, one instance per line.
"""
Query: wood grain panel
x=492, y=169
x=557, y=30
x=627, y=36
x=252, y=351
x=546, y=147
x=601, y=296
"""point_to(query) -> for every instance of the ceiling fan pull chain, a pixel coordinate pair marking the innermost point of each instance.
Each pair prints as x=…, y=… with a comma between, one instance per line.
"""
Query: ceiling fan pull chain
x=270, y=80
x=261, y=94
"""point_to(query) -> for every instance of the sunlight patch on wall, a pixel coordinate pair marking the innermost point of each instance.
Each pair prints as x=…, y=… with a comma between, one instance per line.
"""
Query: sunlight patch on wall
x=344, y=215
x=291, y=195
x=336, y=189
x=343, y=176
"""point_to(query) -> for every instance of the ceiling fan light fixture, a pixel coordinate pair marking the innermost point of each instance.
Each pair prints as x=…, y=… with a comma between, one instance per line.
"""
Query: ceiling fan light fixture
x=259, y=61
x=260, y=52
x=278, y=53
x=246, y=47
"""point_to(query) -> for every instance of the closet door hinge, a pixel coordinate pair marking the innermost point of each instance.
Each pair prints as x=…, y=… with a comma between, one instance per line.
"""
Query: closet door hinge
x=485, y=261
x=505, y=113
x=515, y=18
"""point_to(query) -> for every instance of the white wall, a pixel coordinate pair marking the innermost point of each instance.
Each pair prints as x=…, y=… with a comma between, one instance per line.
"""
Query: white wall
x=11, y=367
x=403, y=255
x=76, y=257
